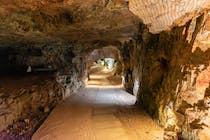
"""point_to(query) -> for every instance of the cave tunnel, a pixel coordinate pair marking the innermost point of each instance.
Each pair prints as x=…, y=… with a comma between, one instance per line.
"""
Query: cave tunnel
x=104, y=67
x=105, y=70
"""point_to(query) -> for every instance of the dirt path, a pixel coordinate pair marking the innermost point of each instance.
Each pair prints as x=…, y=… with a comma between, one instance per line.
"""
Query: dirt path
x=99, y=113
x=101, y=76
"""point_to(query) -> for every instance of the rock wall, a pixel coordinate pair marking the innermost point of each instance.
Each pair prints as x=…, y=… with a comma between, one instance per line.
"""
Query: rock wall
x=24, y=104
x=127, y=51
x=41, y=57
x=34, y=78
x=172, y=79
x=44, y=58
x=71, y=82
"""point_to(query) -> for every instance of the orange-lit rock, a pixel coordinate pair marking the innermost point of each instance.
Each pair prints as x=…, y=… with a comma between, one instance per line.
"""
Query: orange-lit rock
x=163, y=48
x=203, y=38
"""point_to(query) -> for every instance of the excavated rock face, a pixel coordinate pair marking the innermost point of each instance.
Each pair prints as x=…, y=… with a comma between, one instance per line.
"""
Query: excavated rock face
x=160, y=15
x=194, y=90
x=171, y=77
x=168, y=71
x=68, y=20
x=128, y=62
x=203, y=38
x=25, y=104
x=26, y=98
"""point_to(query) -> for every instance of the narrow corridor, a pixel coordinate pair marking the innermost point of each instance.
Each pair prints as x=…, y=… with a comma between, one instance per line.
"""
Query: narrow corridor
x=99, y=113
x=105, y=69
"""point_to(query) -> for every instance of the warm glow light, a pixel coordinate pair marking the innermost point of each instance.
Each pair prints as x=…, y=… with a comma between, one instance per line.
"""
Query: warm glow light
x=99, y=78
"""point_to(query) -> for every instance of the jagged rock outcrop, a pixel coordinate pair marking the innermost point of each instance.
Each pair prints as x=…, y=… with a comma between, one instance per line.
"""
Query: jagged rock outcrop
x=127, y=63
x=41, y=57
x=168, y=71
x=171, y=79
x=70, y=82
x=25, y=102
x=70, y=20
x=35, y=78
x=160, y=15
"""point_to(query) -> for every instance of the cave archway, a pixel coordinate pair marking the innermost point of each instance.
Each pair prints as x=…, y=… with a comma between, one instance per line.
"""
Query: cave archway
x=104, y=64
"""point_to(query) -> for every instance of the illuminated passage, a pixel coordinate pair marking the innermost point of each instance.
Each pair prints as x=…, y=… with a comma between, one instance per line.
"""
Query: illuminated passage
x=99, y=112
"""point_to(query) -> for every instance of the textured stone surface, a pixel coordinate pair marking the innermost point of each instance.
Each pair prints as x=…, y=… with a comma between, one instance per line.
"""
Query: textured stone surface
x=23, y=100
x=193, y=94
x=127, y=51
x=75, y=20
x=173, y=84
x=203, y=38
x=160, y=15
x=33, y=95
x=70, y=81
x=41, y=57
x=168, y=71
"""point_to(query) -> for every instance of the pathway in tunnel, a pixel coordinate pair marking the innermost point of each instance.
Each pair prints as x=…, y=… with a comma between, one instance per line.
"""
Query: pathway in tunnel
x=101, y=76
x=99, y=113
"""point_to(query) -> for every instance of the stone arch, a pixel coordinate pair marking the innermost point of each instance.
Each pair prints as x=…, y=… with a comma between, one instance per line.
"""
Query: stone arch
x=101, y=53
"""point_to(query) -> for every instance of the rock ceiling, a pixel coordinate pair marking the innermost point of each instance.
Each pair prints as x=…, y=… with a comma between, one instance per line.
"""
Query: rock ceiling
x=161, y=15
x=73, y=20
x=65, y=20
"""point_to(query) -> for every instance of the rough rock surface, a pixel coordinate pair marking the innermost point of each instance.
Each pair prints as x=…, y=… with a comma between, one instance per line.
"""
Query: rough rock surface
x=168, y=71
x=24, y=104
x=203, y=38
x=74, y=20
x=27, y=98
x=71, y=82
x=128, y=61
x=174, y=85
x=160, y=15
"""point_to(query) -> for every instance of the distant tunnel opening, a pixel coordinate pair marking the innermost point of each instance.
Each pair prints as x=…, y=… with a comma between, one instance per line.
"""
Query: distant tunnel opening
x=105, y=72
x=167, y=72
x=104, y=67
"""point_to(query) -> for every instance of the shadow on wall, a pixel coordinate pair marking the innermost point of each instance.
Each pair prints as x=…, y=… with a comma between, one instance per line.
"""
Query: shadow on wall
x=174, y=79
x=28, y=86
